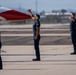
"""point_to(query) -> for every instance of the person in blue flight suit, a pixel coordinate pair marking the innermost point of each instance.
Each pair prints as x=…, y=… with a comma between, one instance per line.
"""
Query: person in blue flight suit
x=36, y=34
x=0, y=57
x=73, y=31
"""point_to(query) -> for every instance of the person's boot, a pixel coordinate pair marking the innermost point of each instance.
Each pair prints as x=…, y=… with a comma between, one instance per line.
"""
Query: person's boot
x=74, y=53
x=36, y=59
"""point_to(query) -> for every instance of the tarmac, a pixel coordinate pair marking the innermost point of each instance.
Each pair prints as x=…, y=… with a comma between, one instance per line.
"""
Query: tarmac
x=55, y=59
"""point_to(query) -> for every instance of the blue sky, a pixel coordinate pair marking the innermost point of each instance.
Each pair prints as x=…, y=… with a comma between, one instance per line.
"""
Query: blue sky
x=46, y=5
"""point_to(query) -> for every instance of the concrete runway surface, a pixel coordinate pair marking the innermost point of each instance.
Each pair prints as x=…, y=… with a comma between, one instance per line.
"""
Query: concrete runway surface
x=55, y=48
x=51, y=34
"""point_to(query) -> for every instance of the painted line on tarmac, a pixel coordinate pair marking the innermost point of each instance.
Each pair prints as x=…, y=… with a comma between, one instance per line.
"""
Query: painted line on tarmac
x=32, y=34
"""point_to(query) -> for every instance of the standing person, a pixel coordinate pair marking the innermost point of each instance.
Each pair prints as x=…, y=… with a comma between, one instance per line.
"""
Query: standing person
x=36, y=32
x=73, y=31
x=0, y=56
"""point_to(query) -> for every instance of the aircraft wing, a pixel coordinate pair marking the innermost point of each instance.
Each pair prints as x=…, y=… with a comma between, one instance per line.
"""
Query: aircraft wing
x=9, y=14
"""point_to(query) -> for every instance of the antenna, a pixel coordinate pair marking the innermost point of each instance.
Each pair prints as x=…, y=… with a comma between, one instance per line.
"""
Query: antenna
x=36, y=6
x=20, y=7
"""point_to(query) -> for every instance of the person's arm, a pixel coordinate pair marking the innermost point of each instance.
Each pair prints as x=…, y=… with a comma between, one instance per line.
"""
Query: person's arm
x=37, y=32
x=37, y=29
x=32, y=16
x=31, y=13
x=75, y=25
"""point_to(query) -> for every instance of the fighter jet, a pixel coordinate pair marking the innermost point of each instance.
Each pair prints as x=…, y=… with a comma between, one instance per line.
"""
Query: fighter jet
x=11, y=14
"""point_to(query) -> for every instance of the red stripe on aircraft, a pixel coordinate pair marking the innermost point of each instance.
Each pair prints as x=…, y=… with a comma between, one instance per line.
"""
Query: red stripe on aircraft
x=14, y=15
